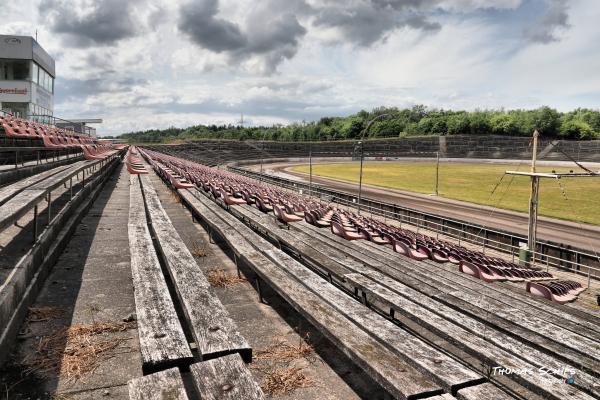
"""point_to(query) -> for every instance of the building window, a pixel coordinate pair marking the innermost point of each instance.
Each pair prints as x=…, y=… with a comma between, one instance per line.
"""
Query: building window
x=34, y=72
x=21, y=70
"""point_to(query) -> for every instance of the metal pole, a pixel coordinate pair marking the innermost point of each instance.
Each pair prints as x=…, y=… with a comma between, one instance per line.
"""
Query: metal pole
x=35, y=223
x=49, y=207
x=361, y=174
x=362, y=139
x=310, y=169
x=533, y=201
x=437, y=172
x=262, y=154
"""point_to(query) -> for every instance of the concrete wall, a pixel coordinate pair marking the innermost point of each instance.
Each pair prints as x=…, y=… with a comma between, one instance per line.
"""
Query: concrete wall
x=492, y=147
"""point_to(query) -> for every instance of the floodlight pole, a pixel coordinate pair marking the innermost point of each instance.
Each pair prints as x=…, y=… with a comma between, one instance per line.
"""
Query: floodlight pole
x=262, y=151
x=310, y=165
x=437, y=172
x=533, y=200
x=362, y=153
x=310, y=169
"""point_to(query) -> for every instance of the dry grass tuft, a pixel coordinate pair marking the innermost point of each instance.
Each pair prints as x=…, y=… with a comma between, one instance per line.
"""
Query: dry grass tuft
x=282, y=350
x=75, y=351
x=222, y=278
x=174, y=196
x=39, y=314
x=284, y=380
x=199, y=250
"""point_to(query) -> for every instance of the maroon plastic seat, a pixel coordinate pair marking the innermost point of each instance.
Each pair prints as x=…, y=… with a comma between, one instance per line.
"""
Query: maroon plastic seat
x=479, y=271
x=404, y=249
x=262, y=206
x=339, y=230
x=283, y=216
x=230, y=200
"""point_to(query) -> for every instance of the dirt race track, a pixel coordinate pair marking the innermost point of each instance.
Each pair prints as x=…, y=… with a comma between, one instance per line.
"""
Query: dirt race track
x=584, y=236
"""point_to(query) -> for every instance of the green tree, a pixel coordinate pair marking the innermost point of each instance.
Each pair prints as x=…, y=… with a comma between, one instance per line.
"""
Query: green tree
x=576, y=129
x=546, y=120
x=504, y=124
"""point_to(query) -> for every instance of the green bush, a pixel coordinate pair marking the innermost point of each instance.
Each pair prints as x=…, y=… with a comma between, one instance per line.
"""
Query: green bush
x=576, y=129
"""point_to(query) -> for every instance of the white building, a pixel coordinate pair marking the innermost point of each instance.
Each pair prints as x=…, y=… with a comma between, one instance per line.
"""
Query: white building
x=26, y=78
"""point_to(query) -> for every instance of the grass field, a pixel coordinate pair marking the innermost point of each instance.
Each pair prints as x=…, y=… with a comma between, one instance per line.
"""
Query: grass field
x=475, y=182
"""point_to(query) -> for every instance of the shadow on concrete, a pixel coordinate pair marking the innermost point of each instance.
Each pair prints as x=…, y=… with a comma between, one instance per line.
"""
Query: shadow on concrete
x=60, y=291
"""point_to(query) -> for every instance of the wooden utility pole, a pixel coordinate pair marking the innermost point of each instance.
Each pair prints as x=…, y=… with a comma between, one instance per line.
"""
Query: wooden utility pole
x=535, y=188
x=533, y=199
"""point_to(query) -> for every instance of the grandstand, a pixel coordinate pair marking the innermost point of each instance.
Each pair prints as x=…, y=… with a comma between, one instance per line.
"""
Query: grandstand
x=152, y=272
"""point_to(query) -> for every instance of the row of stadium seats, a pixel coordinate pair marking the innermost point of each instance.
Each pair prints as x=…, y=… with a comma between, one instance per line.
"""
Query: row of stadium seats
x=56, y=138
x=233, y=189
x=134, y=163
x=557, y=291
x=20, y=127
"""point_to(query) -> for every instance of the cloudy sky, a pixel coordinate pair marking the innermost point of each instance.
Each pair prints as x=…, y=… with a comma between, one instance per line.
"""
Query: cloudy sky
x=143, y=64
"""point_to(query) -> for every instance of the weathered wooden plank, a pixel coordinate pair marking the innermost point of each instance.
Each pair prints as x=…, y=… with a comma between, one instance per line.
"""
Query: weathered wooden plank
x=586, y=347
x=551, y=312
x=444, y=396
x=531, y=337
x=520, y=330
x=23, y=202
x=390, y=256
x=292, y=240
x=11, y=190
x=531, y=351
x=513, y=345
x=580, y=310
x=164, y=385
x=484, y=391
x=18, y=206
x=436, y=365
x=522, y=335
x=383, y=366
x=491, y=315
x=58, y=179
x=162, y=341
x=400, y=268
x=214, y=331
x=552, y=388
x=225, y=378
x=548, y=311
x=337, y=249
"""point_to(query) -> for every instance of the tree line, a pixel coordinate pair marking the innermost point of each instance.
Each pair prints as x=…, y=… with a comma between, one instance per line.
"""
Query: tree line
x=580, y=124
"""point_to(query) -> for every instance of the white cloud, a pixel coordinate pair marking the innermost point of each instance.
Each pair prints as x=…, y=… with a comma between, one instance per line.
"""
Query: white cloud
x=445, y=53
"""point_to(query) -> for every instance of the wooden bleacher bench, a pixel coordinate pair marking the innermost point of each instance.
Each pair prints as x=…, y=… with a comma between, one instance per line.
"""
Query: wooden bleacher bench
x=304, y=293
x=266, y=223
x=439, y=281
x=22, y=202
x=162, y=341
x=214, y=331
x=12, y=190
x=163, y=385
x=225, y=378
x=459, y=330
